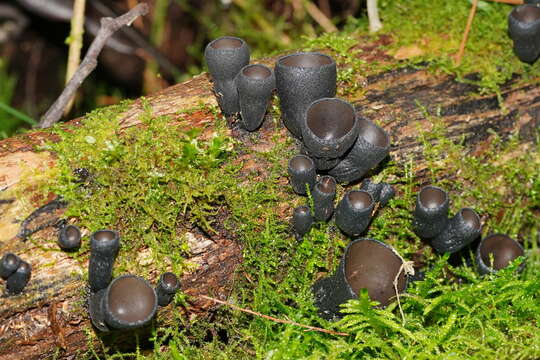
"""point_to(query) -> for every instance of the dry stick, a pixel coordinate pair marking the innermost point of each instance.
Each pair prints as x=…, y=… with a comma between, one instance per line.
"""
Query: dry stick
x=511, y=2
x=408, y=268
x=289, y=322
x=108, y=27
x=319, y=17
x=75, y=45
x=466, y=33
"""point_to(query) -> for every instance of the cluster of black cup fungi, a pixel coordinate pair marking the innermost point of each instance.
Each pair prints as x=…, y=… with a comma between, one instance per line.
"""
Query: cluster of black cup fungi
x=524, y=29
x=337, y=145
x=128, y=301
x=15, y=272
x=125, y=302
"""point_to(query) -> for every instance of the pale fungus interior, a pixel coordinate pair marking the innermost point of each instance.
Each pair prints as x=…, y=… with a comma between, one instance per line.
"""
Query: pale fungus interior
x=372, y=266
x=471, y=218
x=431, y=197
x=330, y=119
x=527, y=14
x=257, y=72
x=131, y=299
x=226, y=43
x=502, y=249
x=373, y=134
x=301, y=163
x=359, y=199
x=306, y=60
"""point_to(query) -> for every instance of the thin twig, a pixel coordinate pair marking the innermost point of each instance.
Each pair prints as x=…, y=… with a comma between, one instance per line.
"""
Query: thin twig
x=511, y=2
x=108, y=27
x=319, y=17
x=75, y=45
x=289, y=322
x=466, y=33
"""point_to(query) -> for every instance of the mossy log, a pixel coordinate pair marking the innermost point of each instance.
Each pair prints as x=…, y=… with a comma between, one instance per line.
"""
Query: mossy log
x=48, y=317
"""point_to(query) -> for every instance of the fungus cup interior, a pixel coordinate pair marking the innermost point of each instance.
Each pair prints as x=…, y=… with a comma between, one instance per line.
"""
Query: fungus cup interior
x=527, y=13
x=359, y=199
x=471, y=218
x=308, y=60
x=131, y=299
x=326, y=185
x=301, y=163
x=170, y=280
x=72, y=233
x=226, y=43
x=373, y=134
x=104, y=235
x=373, y=266
x=502, y=248
x=330, y=119
x=301, y=210
x=257, y=72
x=432, y=197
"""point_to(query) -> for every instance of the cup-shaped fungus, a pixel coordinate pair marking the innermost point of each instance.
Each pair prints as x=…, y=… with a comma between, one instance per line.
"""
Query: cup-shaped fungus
x=166, y=288
x=366, y=264
x=8, y=265
x=496, y=252
x=380, y=192
x=459, y=232
x=225, y=57
x=129, y=302
x=17, y=281
x=104, y=245
x=321, y=164
x=255, y=85
x=69, y=238
x=370, y=148
x=302, y=220
x=301, y=172
x=353, y=212
x=324, y=193
x=431, y=212
x=524, y=29
x=302, y=78
x=330, y=128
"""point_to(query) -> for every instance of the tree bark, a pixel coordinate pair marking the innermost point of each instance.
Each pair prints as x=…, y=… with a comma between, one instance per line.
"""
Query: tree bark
x=49, y=316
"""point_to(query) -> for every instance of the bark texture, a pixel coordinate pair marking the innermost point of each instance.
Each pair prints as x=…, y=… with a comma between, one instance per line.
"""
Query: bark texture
x=48, y=317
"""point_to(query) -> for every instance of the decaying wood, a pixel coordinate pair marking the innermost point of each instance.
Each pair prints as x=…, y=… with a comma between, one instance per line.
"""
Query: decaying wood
x=54, y=298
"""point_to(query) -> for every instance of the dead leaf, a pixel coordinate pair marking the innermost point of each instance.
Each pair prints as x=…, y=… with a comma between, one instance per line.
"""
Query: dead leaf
x=407, y=52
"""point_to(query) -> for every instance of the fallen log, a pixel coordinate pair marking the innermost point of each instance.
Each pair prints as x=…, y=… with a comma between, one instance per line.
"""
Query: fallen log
x=48, y=318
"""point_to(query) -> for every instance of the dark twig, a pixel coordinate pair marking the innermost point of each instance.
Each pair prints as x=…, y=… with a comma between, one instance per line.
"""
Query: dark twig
x=108, y=27
x=25, y=230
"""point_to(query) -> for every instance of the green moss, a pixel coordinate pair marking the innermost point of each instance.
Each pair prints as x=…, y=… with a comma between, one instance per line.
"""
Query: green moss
x=155, y=178
x=146, y=182
x=437, y=27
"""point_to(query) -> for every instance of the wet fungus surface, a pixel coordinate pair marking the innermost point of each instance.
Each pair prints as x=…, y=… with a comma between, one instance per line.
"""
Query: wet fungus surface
x=432, y=197
x=373, y=266
x=8, y=265
x=69, y=238
x=496, y=252
x=257, y=72
x=373, y=134
x=306, y=60
x=526, y=13
x=226, y=43
x=129, y=302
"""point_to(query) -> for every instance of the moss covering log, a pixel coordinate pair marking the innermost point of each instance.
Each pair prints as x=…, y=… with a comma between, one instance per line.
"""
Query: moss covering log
x=49, y=318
